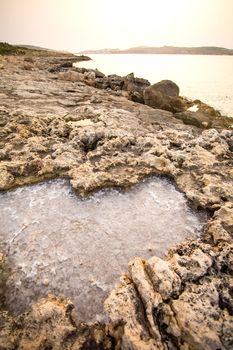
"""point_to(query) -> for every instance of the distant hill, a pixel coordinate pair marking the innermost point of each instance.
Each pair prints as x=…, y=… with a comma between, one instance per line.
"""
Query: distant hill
x=174, y=50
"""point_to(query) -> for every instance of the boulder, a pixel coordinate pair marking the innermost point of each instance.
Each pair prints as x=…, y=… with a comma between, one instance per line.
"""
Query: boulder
x=167, y=87
x=164, y=95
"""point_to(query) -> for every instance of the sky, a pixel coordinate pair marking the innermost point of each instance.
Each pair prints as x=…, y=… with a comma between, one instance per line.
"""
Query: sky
x=76, y=25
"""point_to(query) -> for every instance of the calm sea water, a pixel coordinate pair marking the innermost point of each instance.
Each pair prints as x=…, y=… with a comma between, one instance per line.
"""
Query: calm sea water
x=208, y=78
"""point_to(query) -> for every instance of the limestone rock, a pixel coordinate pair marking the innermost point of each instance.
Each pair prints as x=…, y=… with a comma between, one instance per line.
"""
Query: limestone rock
x=71, y=76
x=191, y=267
x=128, y=324
x=164, y=279
x=135, y=87
x=65, y=127
x=48, y=325
x=198, y=317
x=6, y=178
x=192, y=317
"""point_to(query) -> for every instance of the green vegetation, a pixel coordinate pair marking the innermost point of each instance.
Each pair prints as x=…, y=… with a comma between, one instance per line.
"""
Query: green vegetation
x=7, y=49
x=29, y=50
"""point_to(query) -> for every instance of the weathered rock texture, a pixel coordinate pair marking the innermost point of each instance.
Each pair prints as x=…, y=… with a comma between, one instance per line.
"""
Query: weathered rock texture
x=53, y=127
x=49, y=325
x=184, y=302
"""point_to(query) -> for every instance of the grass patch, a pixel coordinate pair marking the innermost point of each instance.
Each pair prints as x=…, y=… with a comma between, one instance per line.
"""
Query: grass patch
x=7, y=49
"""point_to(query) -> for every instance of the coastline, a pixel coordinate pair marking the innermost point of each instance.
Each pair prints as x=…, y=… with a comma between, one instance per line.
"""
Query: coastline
x=166, y=50
x=213, y=87
x=55, y=123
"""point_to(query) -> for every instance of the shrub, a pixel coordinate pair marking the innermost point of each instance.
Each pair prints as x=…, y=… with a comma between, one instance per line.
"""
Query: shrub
x=7, y=49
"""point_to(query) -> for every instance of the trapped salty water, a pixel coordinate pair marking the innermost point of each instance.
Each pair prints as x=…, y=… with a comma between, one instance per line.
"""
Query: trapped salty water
x=58, y=243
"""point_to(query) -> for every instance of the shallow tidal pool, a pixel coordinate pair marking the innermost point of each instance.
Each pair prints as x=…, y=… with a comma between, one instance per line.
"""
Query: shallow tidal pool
x=58, y=243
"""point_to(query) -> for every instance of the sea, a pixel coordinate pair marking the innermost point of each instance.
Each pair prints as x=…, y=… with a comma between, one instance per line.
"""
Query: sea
x=207, y=78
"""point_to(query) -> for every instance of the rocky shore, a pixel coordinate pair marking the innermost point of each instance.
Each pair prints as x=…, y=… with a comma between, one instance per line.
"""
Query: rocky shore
x=60, y=121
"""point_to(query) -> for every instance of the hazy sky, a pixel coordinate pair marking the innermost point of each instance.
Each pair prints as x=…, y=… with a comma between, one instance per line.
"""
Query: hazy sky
x=93, y=24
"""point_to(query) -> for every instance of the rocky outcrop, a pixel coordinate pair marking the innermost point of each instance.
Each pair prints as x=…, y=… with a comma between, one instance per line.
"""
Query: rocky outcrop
x=183, y=302
x=67, y=63
x=162, y=95
x=135, y=87
x=204, y=117
x=128, y=86
x=49, y=325
x=54, y=127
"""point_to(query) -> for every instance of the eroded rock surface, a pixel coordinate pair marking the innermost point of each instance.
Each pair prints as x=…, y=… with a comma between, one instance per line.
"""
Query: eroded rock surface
x=49, y=325
x=183, y=302
x=52, y=127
